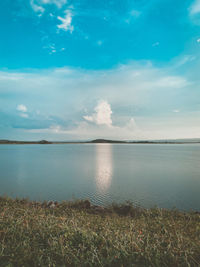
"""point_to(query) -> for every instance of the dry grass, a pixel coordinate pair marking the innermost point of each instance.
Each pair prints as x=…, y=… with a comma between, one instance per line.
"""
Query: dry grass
x=78, y=234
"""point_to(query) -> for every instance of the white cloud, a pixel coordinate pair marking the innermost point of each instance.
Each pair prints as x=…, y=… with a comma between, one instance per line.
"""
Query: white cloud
x=22, y=108
x=37, y=8
x=66, y=24
x=102, y=115
x=198, y=40
x=176, y=110
x=106, y=129
x=195, y=7
x=58, y=3
x=88, y=118
x=23, y=111
x=37, y=5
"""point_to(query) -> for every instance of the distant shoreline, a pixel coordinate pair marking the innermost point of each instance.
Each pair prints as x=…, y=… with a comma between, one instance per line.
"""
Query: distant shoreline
x=97, y=141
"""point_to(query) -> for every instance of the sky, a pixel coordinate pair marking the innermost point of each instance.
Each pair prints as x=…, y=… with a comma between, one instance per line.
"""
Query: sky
x=81, y=70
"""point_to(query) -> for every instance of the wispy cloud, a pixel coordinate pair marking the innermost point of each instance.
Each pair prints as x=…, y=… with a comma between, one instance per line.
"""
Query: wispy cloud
x=184, y=59
x=155, y=44
x=37, y=8
x=99, y=42
x=85, y=130
x=138, y=98
x=58, y=3
x=195, y=7
x=23, y=115
x=132, y=15
x=66, y=22
x=51, y=48
x=135, y=13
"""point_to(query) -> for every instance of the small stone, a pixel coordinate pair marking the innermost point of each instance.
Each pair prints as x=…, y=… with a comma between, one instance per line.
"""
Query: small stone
x=52, y=206
x=49, y=203
x=98, y=208
x=87, y=204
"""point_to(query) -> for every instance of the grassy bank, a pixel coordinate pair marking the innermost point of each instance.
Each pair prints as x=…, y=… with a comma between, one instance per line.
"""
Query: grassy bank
x=78, y=234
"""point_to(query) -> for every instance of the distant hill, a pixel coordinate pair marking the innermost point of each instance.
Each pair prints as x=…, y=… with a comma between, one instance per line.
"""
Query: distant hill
x=24, y=142
x=105, y=141
x=174, y=141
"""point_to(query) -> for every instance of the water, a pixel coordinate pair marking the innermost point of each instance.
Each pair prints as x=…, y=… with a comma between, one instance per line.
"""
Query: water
x=163, y=175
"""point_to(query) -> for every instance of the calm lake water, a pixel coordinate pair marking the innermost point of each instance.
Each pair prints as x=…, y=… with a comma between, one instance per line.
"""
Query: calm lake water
x=163, y=175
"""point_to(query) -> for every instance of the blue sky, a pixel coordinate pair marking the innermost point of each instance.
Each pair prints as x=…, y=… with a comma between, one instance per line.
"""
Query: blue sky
x=76, y=70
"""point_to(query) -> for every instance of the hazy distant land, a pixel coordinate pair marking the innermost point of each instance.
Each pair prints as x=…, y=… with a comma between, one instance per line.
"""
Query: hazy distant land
x=106, y=141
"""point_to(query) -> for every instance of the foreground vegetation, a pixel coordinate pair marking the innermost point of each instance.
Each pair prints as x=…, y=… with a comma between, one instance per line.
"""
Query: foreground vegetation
x=79, y=234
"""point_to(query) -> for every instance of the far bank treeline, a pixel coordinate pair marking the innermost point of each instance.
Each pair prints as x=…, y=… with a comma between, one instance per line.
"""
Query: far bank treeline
x=101, y=141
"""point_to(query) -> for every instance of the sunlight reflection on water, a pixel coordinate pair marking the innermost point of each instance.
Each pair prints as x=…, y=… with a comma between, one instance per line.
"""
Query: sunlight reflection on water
x=104, y=167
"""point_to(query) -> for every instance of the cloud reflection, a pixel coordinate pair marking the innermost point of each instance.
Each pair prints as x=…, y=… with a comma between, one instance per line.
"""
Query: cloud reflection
x=104, y=167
